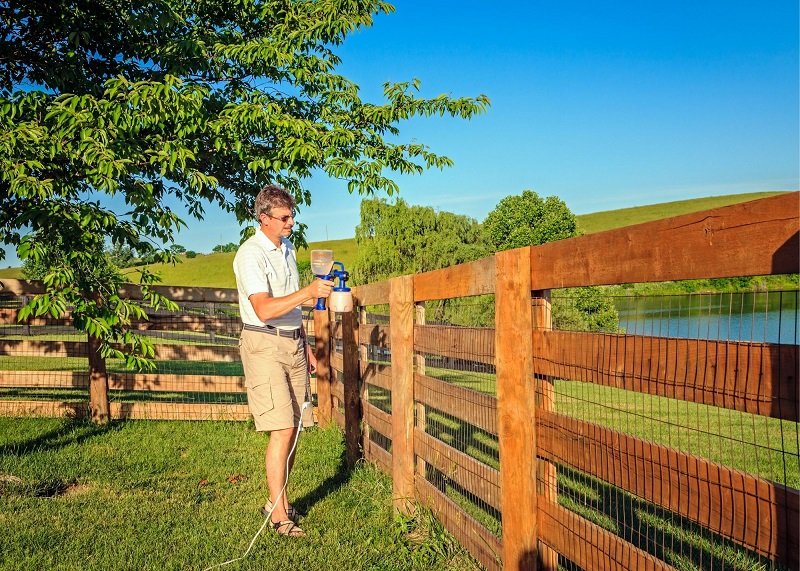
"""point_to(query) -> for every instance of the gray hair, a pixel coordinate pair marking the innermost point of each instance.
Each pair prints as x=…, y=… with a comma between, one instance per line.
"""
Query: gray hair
x=273, y=196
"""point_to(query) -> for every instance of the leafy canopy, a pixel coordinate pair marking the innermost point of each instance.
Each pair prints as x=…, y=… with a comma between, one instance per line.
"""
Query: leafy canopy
x=116, y=115
x=395, y=239
x=528, y=220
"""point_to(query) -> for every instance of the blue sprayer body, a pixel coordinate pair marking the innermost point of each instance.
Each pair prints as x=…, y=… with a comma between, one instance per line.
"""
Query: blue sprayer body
x=343, y=276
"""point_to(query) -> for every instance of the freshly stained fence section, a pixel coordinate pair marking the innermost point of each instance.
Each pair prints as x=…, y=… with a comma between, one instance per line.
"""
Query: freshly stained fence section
x=660, y=435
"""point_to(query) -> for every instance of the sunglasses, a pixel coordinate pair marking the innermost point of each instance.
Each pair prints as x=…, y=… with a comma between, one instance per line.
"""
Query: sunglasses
x=283, y=219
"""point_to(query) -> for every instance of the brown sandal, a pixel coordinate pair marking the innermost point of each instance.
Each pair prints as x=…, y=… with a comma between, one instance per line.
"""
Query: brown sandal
x=293, y=514
x=288, y=528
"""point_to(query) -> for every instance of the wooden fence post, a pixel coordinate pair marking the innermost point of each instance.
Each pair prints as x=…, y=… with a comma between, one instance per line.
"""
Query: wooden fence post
x=99, y=410
x=542, y=320
x=516, y=399
x=401, y=318
x=352, y=400
x=322, y=351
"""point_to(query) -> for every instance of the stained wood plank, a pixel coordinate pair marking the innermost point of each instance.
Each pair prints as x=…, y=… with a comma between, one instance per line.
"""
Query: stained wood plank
x=757, y=514
x=33, y=348
x=759, y=237
x=45, y=379
x=477, y=478
x=352, y=393
x=472, y=278
x=337, y=363
x=378, y=420
x=401, y=313
x=337, y=390
x=378, y=335
x=516, y=422
x=378, y=375
x=468, y=343
x=589, y=546
x=196, y=323
x=479, y=541
x=8, y=316
x=44, y=409
x=176, y=383
x=759, y=378
x=473, y=407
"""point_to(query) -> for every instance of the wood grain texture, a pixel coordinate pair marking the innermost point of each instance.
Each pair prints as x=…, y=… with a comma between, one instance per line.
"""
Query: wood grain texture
x=760, y=237
x=516, y=421
x=758, y=378
x=402, y=335
x=755, y=513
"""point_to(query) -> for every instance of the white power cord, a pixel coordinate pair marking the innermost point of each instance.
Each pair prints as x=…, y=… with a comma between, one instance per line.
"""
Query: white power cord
x=268, y=519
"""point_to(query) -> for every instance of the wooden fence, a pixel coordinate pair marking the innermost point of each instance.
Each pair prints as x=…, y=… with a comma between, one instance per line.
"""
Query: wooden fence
x=509, y=504
x=745, y=513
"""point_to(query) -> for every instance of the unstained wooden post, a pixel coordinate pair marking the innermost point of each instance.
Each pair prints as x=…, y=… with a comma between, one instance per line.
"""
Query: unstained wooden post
x=99, y=410
x=352, y=400
x=401, y=318
x=322, y=351
x=516, y=399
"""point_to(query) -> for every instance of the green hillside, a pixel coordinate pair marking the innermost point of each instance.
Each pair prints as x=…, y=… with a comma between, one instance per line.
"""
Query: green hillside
x=215, y=270
x=610, y=219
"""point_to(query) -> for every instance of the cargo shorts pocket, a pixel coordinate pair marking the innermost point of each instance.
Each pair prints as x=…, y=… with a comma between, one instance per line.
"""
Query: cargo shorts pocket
x=259, y=397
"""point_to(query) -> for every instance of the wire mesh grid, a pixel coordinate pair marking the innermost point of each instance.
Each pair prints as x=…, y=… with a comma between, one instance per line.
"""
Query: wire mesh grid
x=375, y=389
x=671, y=344
x=43, y=364
x=197, y=367
x=456, y=405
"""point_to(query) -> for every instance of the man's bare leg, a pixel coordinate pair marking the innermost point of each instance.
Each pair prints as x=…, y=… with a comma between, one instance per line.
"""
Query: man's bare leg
x=280, y=444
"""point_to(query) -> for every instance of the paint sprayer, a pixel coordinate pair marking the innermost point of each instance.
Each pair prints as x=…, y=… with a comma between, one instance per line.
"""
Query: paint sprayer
x=323, y=266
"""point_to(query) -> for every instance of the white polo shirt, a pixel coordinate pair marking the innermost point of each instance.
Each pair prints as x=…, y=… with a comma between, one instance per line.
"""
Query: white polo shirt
x=262, y=267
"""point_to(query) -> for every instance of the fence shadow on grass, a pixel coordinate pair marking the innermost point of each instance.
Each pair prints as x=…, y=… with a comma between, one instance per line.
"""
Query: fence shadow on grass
x=70, y=431
x=327, y=487
x=654, y=530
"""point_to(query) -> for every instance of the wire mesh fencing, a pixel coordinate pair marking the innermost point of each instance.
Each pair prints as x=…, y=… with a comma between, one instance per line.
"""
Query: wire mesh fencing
x=679, y=396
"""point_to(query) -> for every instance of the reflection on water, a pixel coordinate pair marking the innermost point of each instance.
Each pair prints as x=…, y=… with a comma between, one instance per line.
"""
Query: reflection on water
x=761, y=317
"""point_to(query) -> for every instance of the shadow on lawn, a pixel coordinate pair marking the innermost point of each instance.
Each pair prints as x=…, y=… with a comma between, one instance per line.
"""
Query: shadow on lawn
x=71, y=431
x=327, y=487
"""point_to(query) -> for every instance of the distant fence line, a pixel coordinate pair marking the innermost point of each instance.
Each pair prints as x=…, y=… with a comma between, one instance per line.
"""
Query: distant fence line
x=533, y=446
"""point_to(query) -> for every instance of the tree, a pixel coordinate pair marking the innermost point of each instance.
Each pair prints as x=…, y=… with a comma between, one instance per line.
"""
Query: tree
x=175, y=105
x=529, y=220
x=395, y=239
x=222, y=248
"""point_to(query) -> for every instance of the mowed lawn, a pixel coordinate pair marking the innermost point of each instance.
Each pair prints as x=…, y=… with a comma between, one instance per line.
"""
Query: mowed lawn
x=155, y=495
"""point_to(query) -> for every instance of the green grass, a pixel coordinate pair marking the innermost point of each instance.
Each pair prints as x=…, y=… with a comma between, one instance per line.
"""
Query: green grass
x=610, y=219
x=152, y=495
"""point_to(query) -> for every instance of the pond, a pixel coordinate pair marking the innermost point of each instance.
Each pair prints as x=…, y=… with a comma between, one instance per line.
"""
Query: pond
x=759, y=317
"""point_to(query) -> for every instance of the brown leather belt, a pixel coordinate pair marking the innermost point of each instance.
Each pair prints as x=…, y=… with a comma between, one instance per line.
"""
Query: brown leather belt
x=270, y=330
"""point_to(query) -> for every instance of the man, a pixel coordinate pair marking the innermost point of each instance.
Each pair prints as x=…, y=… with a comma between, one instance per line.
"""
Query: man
x=273, y=346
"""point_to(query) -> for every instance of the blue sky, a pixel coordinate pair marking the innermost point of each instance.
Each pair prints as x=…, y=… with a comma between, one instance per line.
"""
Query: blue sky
x=604, y=104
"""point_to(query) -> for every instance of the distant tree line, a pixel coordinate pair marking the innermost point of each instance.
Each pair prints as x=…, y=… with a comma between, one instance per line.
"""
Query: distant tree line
x=396, y=239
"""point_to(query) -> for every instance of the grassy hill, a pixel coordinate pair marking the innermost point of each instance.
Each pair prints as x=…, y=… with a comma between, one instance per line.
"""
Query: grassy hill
x=610, y=219
x=215, y=270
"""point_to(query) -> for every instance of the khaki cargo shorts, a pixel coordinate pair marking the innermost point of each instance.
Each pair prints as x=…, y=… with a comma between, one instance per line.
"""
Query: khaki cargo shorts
x=275, y=372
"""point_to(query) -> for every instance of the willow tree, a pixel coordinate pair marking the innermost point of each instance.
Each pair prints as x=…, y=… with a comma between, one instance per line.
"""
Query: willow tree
x=173, y=105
